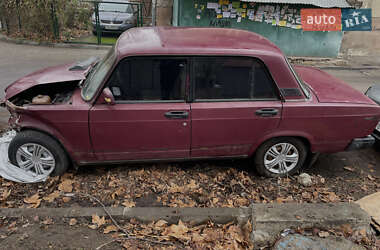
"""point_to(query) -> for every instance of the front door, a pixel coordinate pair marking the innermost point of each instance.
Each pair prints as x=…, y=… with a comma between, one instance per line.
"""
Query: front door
x=235, y=103
x=150, y=119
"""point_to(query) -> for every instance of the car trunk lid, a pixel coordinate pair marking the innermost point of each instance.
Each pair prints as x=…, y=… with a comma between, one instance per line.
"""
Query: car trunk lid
x=329, y=89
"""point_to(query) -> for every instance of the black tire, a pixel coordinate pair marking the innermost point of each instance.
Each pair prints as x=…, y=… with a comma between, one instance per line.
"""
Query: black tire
x=262, y=150
x=62, y=161
x=94, y=33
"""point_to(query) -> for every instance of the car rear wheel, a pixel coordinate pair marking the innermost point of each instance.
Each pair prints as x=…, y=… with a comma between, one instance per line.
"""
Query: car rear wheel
x=38, y=154
x=280, y=157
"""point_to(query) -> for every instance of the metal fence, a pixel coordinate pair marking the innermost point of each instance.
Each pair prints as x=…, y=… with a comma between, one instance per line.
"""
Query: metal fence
x=98, y=25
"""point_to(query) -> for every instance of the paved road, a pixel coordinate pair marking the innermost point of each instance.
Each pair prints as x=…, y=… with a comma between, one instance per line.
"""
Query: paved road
x=359, y=79
x=18, y=60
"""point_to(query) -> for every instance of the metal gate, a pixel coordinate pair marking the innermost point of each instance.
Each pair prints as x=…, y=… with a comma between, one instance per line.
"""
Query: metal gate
x=109, y=25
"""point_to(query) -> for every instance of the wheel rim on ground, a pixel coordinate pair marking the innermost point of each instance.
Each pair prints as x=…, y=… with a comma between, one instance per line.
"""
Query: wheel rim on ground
x=281, y=158
x=35, y=160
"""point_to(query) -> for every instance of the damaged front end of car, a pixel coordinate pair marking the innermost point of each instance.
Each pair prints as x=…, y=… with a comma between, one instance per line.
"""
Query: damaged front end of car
x=47, y=112
x=50, y=86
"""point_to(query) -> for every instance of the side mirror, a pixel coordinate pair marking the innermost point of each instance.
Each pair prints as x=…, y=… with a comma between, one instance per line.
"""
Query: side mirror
x=107, y=97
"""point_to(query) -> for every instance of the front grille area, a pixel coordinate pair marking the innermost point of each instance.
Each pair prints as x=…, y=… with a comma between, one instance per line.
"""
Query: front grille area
x=105, y=21
x=117, y=22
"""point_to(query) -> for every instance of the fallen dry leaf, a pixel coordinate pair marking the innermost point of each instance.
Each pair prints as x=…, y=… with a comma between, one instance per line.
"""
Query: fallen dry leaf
x=192, y=185
x=177, y=231
x=128, y=203
x=236, y=233
x=66, y=199
x=160, y=224
x=34, y=200
x=72, y=222
x=51, y=197
x=176, y=189
x=370, y=177
x=333, y=197
x=98, y=221
x=5, y=194
x=111, y=228
x=66, y=186
x=93, y=226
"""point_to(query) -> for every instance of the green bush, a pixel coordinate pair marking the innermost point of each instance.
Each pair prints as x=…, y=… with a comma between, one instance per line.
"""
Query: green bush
x=37, y=17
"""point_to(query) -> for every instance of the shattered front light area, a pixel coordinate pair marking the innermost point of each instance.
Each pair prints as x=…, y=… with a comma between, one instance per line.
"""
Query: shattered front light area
x=9, y=171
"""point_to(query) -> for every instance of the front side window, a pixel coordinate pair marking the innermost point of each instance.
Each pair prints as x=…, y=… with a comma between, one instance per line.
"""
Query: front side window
x=232, y=78
x=149, y=79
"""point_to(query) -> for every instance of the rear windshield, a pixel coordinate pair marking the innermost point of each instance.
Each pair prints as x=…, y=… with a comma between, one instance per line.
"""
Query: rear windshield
x=97, y=74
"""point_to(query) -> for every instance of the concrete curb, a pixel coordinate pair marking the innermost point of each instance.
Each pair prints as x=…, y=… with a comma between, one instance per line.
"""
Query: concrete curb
x=144, y=214
x=348, y=68
x=54, y=45
x=265, y=217
x=270, y=220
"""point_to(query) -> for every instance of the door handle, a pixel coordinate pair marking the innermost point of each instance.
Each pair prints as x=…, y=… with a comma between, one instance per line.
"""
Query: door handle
x=267, y=112
x=176, y=114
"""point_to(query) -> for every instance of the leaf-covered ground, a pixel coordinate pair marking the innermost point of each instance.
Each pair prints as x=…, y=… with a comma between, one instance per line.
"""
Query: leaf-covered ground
x=101, y=233
x=194, y=184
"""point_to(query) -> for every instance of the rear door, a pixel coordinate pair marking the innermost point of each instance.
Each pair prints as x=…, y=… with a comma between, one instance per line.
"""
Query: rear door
x=150, y=119
x=235, y=103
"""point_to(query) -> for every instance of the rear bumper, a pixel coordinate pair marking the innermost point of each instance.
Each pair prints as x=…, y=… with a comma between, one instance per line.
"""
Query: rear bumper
x=360, y=143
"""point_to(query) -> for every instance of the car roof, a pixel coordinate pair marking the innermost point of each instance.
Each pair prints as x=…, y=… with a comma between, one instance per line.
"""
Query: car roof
x=192, y=41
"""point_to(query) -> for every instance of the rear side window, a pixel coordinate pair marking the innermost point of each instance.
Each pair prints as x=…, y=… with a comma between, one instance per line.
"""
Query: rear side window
x=232, y=78
x=149, y=79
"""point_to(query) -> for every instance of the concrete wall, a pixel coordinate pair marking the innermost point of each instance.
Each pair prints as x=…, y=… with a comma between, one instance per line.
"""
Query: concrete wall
x=364, y=42
x=375, y=5
x=293, y=42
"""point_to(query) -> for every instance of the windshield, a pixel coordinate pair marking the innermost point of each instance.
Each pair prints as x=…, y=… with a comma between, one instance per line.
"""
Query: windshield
x=303, y=86
x=115, y=7
x=97, y=75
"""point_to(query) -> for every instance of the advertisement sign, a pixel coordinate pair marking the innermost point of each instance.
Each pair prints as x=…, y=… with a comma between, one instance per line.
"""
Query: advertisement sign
x=321, y=19
x=357, y=19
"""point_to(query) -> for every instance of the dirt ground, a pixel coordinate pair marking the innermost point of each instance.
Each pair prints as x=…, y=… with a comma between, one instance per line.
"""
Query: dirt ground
x=100, y=233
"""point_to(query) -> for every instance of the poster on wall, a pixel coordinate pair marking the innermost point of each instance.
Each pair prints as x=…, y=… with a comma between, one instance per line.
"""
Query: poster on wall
x=357, y=19
x=236, y=11
x=321, y=19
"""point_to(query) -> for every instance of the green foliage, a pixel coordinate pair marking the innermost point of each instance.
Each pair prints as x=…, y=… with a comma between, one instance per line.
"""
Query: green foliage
x=37, y=17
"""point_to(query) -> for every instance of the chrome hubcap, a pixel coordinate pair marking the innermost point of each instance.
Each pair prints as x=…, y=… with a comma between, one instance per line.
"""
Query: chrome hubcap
x=281, y=158
x=35, y=159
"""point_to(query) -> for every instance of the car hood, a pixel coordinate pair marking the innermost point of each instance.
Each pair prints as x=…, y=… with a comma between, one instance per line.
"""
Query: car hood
x=329, y=89
x=55, y=74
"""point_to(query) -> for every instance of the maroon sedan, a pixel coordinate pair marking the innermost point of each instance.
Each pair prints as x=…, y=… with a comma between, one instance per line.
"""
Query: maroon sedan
x=185, y=94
